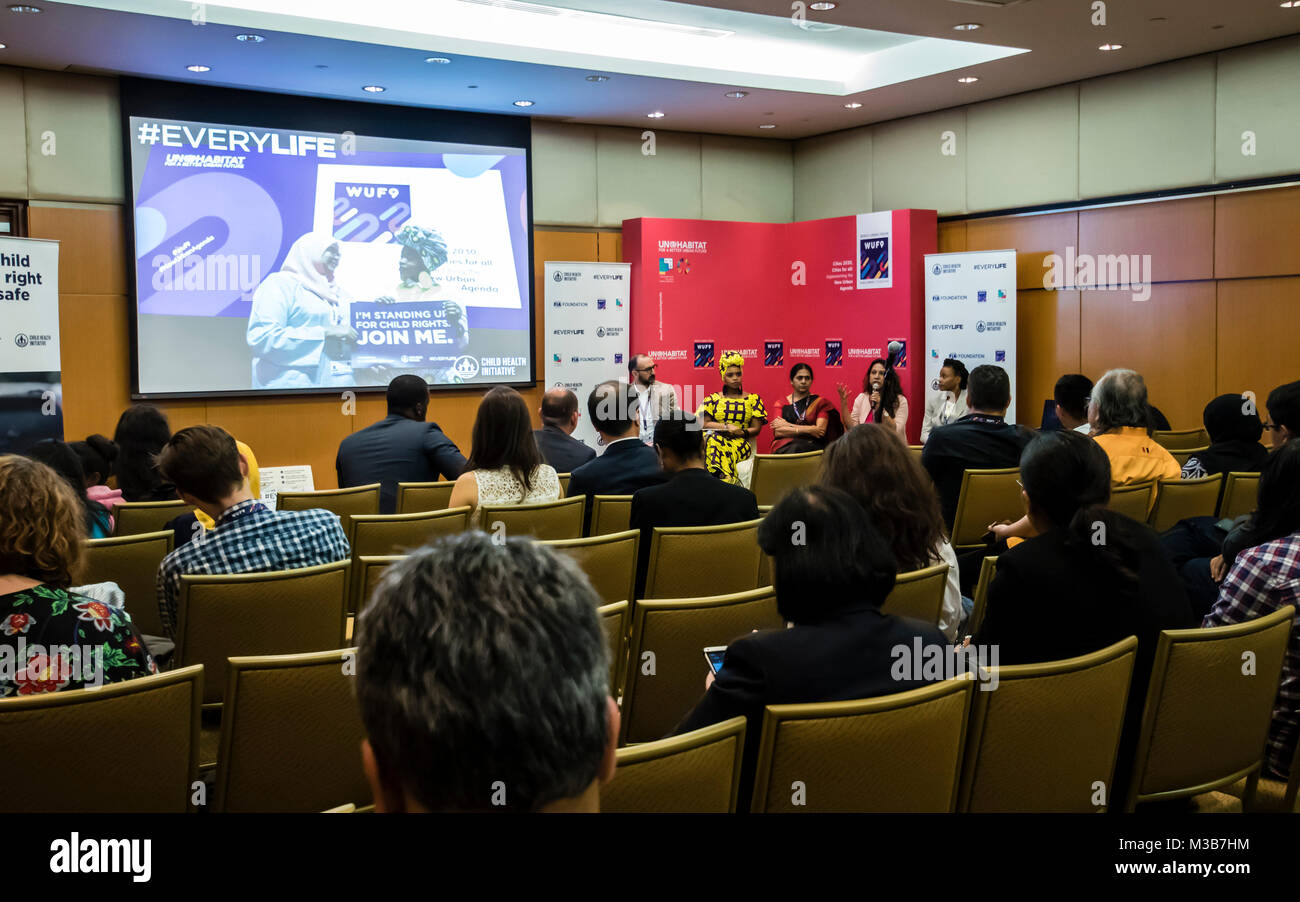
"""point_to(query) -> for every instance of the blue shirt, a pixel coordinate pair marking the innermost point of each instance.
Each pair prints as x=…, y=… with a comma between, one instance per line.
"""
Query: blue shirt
x=249, y=538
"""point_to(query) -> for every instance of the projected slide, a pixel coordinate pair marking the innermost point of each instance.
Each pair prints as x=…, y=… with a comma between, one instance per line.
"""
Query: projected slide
x=285, y=260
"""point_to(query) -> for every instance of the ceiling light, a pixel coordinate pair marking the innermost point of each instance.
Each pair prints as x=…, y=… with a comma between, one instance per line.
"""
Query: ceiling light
x=24, y=8
x=523, y=103
x=821, y=6
x=437, y=60
x=3, y=46
x=1289, y=4
x=736, y=95
x=1109, y=47
x=586, y=17
x=373, y=89
x=768, y=125
x=250, y=38
x=967, y=26
x=198, y=68
x=597, y=78
x=968, y=79
x=853, y=106
x=657, y=114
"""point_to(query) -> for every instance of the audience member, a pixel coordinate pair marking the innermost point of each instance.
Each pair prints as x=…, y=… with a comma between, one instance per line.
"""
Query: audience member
x=1119, y=419
x=1072, y=393
x=692, y=496
x=555, y=439
x=883, y=476
x=1234, y=429
x=53, y=639
x=504, y=465
x=60, y=458
x=1089, y=578
x=205, y=465
x=732, y=419
x=948, y=404
x=655, y=399
x=97, y=454
x=805, y=421
x=881, y=400
x=483, y=681
x=830, y=588
x=981, y=440
x=401, y=447
x=1283, y=413
x=141, y=432
x=627, y=465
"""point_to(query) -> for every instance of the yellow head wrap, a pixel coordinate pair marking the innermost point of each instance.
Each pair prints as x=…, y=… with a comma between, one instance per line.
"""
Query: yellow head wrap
x=730, y=358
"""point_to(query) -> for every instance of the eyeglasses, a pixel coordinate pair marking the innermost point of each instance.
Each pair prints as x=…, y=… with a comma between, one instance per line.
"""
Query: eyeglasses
x=647, y=369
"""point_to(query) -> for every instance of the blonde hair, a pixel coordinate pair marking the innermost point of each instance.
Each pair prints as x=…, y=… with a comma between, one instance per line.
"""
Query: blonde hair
x=42, y=527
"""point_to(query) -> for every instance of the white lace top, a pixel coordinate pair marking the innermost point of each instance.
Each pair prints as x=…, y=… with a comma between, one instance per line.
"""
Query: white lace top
x=501, y=487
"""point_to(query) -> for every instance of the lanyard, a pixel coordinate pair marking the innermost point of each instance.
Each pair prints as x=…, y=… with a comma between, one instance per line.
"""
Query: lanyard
x=232, y=515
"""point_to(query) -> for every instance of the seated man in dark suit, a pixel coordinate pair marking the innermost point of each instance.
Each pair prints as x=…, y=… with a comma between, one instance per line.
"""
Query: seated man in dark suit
x=692, y=496
x=555, y=439
x=628, y=463
x=401, y=447
x=840, y=646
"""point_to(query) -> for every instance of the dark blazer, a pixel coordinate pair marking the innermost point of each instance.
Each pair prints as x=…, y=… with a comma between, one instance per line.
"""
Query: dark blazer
x=396, y=450
x=561, y=450
x=625, y=466
x=848, y=656
x=974, y=442
x=693, y=497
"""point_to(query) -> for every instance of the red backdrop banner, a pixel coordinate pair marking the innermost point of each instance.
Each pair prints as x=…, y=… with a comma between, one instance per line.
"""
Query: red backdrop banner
x=780, y=293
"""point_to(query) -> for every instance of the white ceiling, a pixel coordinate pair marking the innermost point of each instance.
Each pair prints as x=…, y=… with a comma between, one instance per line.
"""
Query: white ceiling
x=894, y=57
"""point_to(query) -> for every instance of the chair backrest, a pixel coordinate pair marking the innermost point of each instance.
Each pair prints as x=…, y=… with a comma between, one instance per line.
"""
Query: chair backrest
x=776, y=474
x=367, y=570
x=614, y=621
x=988, y=569
x=666, y=666
x=986, y=497
x=1047, y=734
x=132, y=562
x=686, y=561
x=363, y=499
x=549, y=520
x=413, y=497
x=373, y=535
x=564, y=482
x=696, y=773
x=609, y=561
x=610, y=513
x=1132, y=500
x=1177, y=499
x=1181, y=439
x=291, y=734
x=1240, y=495
x=1208, y=707
x=919, y=594
x=131, y=518
x=1183, y=454
x=140, y=739
x=899, y=752
x=284, y=612
x=916, y=451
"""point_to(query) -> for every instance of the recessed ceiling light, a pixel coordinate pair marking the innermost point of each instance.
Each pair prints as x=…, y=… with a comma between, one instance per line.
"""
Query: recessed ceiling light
x=3, y=46
x=657, y=114
x=853, y=106
x=967, y=26
x=968, y=79
x=373, y=89
x=198, y=68
x=250, y=38
x=736, y=95
x=1109, y=47
x=523, y=103
x=768, y=125
x=821, y=5
x=437, y=60
x=1290, y=4
x=24, y=8
x=597, y=78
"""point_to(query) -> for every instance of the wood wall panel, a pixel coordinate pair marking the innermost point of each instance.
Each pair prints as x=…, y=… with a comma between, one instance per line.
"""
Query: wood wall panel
x=1257, y=233
x=1031, y=236
x=609, y=247
x=1177, y=234
x=1047, y=347
x=1169, y=339
x=287, y=431
x=1257, y=329
x=92, y=246
x=952, y=237
x=94, y=349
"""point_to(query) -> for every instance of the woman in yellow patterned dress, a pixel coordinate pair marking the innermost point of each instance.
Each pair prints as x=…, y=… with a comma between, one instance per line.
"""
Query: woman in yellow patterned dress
x=731, y=418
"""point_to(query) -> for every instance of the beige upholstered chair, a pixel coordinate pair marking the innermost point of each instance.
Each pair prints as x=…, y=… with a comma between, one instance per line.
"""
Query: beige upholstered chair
x=776, y=474
x=1133, y=500
x=362, y=499
x=132, y=562
x=550, y=520
x=1240, y=495
x=1177, y=499
x=131, y=518
x=608, y=560
x=694, y=773
x=688, y=561
x=610, y=513
x=987, y=496
x=1181, y=439
x=414, y=497
x=919, y=594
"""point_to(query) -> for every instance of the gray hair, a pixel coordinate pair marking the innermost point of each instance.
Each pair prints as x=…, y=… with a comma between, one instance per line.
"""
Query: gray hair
x=1120, y=399
x=483, y=666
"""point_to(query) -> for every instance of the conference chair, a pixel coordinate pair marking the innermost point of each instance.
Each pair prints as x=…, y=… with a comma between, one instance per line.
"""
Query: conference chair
x=550, y=520
x=1182, y=455
x=132, y=561
x=614, y=621
x=899, y=752
x=988, y=569
x=367, y=571
x=916, y=451
x=610, y=513
x=1240, y=495
x=282, y=612
x=1133, y=500
x=987, y=496
x=132, y=518
x=290, y=735
x=386, y=534
x=1047, y=734
x=609, y=561
x=363, y=499
x=1271, y=796
x=695, y=773
x=1178, y=499
x=918, y=594
x=666, y=666
x=1181, y=439
x=123, y=748
x=564, y=483
x=776, y=474
x=687, y=561
x=413, y=497
x=1208, y=709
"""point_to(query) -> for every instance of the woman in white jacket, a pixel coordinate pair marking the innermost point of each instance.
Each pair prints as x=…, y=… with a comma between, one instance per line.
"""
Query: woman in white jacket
x=948, y=404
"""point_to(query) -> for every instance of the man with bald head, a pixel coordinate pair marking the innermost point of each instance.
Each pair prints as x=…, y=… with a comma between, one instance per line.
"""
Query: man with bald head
x=555, y=439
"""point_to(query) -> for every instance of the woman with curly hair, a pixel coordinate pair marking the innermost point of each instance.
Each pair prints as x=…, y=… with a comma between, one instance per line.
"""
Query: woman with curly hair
x=50, y=638
x=731, y=418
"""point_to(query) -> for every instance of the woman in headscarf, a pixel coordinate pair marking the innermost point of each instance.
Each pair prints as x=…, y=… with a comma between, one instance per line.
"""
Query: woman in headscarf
x=731, y=419
x=1234, y=429
x=298, y=328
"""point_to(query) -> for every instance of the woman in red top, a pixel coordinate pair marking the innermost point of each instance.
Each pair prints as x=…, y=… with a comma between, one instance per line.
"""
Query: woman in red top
x=806, y=422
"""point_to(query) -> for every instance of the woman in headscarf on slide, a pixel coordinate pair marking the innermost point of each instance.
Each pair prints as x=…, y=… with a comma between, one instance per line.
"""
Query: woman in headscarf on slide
x=298, y=328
